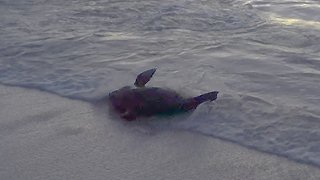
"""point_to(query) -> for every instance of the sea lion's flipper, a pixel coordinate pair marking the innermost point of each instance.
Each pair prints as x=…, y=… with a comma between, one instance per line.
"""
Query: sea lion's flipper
x=129, y=115
x=193, y=103
x=144, y=77
x=210, y=96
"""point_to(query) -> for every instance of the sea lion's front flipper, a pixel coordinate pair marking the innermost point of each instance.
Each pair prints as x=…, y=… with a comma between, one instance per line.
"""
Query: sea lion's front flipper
x=129, y=115
x=144, y=77
x=193, y=103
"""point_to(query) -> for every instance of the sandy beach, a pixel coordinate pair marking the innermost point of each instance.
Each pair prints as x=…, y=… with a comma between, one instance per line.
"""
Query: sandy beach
x=44, y=136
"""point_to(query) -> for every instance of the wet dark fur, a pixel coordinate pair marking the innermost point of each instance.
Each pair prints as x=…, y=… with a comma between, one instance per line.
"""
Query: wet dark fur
x=131, y=103
x=146, y=101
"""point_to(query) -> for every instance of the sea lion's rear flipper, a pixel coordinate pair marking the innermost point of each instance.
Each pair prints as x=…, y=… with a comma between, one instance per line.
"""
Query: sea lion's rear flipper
x=144, y=77
x=210, y=96
x=193, y=103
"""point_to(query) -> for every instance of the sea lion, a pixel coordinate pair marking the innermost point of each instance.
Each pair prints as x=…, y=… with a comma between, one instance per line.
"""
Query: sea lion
x=131, y=103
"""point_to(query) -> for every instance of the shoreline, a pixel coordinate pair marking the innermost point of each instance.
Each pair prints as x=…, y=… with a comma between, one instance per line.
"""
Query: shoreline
x=45, y=136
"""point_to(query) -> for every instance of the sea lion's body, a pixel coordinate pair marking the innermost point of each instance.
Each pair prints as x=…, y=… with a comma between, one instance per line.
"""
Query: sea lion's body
x=147, y=101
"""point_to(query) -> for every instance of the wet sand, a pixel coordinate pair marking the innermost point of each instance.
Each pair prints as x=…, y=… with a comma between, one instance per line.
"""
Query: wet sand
x=44, y=136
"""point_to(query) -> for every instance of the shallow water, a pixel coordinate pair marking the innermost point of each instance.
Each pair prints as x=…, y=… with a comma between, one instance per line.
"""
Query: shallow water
x=263, y=56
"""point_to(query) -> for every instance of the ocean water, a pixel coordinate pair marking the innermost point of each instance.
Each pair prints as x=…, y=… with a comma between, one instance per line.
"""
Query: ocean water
x=263, y=56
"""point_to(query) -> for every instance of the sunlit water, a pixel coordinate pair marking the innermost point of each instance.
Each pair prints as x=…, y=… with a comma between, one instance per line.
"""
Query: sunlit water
x=263, y=56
